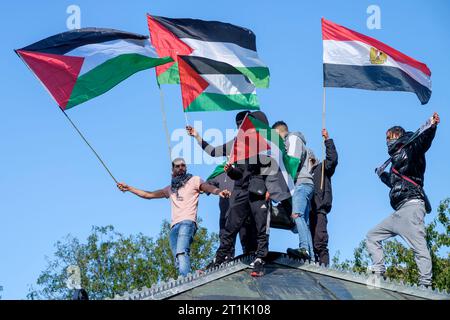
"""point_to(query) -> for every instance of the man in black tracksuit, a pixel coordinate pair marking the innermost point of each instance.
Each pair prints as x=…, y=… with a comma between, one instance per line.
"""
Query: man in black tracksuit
x=322, y=200
x=248, y=199
x=247, y=233
x=244, y=204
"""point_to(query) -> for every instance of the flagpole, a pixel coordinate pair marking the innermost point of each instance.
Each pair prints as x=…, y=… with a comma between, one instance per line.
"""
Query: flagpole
x=89, y=145
x=232, y=147
x=186, y=118
x=323, y=142
x=234, y=140
x=164, y=120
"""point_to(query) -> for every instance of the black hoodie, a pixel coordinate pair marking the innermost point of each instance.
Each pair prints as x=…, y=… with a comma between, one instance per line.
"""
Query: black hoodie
x=323, y=198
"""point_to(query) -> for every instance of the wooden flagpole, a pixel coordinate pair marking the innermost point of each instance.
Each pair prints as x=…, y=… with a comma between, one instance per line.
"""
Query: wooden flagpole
x=234, y=142
x=164, y=120
x=323, y=142
x=186, y=118
x=89, y=145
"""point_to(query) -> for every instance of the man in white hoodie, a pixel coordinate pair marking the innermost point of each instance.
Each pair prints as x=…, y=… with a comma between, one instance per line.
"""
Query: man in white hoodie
x=304, y=188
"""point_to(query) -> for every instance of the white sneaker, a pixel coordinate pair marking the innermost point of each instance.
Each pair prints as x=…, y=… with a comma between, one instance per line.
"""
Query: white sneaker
x=252, y=265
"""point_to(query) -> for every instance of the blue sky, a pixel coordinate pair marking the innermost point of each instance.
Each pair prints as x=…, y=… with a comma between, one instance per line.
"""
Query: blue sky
x=51, y=184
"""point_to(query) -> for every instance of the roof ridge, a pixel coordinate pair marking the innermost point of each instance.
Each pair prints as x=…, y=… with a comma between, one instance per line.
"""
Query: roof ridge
x=173, y=287
x=364, y=278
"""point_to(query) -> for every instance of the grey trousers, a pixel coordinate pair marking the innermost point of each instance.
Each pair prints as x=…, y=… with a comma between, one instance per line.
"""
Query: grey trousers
x=408, y=223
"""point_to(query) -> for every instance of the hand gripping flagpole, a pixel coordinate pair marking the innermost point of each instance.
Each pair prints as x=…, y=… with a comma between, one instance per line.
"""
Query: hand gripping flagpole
x=89, y=145
x=323, y=142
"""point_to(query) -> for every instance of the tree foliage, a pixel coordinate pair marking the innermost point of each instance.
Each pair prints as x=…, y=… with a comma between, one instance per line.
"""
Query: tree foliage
x=111, y=263
x=399, y=259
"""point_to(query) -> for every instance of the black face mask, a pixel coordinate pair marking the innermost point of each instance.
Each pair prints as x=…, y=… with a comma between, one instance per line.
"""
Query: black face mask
x=391, y=142
x=393, y=145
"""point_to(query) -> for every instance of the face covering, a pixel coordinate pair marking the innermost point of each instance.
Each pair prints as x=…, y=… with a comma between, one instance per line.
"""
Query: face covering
x=391, y=142
x=179, y=181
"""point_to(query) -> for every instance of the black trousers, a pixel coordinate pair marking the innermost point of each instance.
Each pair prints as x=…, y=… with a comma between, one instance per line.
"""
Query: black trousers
x=318, y=226
x=245, y=205
x=247, y=233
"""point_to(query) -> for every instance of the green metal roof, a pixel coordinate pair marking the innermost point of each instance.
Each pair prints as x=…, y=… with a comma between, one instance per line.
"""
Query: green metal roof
x=285, y=279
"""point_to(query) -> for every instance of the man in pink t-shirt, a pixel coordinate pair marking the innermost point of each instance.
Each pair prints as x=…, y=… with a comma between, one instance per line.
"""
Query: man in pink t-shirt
x=183, y=192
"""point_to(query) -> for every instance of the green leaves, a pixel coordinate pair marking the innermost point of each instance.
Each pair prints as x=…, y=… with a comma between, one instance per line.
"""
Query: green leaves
x=111, y=263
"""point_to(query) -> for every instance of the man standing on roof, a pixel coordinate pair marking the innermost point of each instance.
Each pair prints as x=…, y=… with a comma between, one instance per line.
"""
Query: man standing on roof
x=322, y=199
x=223, y=182
x=183, y=192
x=247, y=234
x=249, y=198
x=304, y=188
x=408, y=199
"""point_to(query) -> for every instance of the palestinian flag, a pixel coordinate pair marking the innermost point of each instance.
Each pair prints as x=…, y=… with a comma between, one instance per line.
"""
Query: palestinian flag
x=217, y=171
x=354, y=60
x=79, y=65
x=255, y=138
x=213, y=40
x=210, y=85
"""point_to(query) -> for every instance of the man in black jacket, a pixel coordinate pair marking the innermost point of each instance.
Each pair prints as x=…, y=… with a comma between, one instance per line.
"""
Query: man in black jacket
x=322, y=200
x=248, y=199
x=405, y=179
x=245, y=203
x=247, y=233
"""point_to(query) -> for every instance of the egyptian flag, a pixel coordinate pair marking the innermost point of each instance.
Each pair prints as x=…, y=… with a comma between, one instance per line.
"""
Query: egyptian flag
x=79, y=65
x=210, y=85
x=353, y=60
x=214, y=40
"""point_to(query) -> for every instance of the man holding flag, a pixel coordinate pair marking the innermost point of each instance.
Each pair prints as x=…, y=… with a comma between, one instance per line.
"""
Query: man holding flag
x=183, y=192
x=248, y=230
x=304, y=188
x=408, y=199
x=249, y=194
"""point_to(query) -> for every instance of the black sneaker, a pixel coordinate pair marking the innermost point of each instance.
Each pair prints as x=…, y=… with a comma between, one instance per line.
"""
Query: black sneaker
x=213, y=264
x=210, y=265
x=258, y=268
x=301, y=254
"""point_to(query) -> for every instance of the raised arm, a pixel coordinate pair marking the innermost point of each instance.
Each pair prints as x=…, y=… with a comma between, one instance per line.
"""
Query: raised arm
x=331, y=153
x=219, y=151
x=158, y=194
x=423, y=142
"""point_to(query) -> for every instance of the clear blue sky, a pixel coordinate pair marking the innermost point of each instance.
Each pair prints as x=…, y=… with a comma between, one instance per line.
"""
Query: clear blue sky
x=51, y=185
